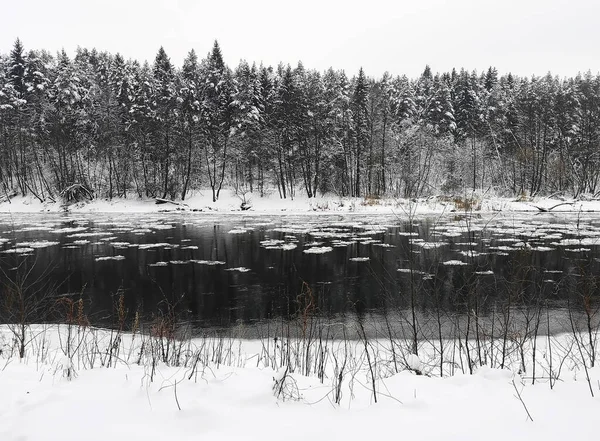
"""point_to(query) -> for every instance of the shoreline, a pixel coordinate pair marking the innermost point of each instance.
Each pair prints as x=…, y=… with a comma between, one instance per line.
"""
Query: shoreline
x=326, y=205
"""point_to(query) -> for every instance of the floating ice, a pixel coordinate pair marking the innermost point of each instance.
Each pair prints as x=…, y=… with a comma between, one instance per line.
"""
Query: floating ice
x=208, y=262
x=342, y=243
x=100, y=259
x=410, y=271
x=384, y=245
x=360, y=259
x=148, y=246
x=430, y=245
x=18, y=250
x=313, y=244
x=38, y=244
x=318, y=250
x=240, y=269
x=455, y=263
x=93, y=234
x=68, y=230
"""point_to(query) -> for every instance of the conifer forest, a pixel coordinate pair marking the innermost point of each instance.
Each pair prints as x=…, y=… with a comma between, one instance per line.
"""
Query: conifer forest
x=128, y=129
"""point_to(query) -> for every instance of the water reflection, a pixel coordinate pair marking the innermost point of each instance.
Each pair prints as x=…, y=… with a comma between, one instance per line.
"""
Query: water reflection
x=225, y=269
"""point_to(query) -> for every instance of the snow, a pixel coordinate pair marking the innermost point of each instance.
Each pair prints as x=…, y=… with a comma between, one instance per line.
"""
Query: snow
x=50, y=396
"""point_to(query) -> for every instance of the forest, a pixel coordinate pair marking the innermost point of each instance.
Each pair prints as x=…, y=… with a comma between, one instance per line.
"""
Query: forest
x=122, y=128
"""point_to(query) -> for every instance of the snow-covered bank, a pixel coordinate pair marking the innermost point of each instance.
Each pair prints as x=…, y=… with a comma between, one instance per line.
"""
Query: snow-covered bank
x=230, y=202
x=236, y=389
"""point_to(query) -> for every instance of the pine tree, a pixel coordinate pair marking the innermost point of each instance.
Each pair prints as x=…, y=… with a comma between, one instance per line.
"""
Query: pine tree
x=218, y=110
x=189, y=109
x=165, y=104
x=360, y=119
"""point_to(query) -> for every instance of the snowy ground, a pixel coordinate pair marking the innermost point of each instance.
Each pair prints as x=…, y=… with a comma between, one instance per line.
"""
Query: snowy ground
x=202, y=201
x=224, y=389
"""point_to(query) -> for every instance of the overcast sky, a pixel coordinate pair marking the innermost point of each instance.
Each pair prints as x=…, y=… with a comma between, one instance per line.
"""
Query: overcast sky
x=522, y=36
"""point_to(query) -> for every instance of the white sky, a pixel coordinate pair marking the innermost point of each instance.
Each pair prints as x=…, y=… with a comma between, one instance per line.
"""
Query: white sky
x=523, y=36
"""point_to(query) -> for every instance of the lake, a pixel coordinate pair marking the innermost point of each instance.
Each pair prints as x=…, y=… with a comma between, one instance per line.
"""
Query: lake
x=221, y=270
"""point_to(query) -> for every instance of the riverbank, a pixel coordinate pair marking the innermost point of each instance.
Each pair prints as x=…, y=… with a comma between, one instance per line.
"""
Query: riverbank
x=271, y=204
x=121, y=387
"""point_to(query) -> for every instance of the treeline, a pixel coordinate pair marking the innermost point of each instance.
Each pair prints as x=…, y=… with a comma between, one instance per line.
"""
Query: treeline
x=122, y=128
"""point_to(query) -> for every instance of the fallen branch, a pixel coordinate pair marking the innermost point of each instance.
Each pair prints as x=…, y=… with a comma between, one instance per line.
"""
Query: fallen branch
x=160, y=201
x=521, y=400
x=546, y=210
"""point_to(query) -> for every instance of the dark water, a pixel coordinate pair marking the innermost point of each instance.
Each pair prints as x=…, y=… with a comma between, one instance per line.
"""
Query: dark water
x=220, y=270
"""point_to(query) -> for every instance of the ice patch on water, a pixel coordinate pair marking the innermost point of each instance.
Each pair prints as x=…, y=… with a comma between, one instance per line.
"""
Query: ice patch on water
x=104, y=258
x=18, y=250
x=239, y=269
x=93, y=234
x=284, y=247
x=472, y=253
x=149, y=246
x=409, y=271
x=360, y=259
x=318, y=250
x=430, y=245
x=237, y=231
x=585, y=241
x=33, y=228
x=313, y=244
x=38, y=244
x=384, y=245
x=342, y=243
x=292, y=230
x=543, y=249
x=502, y=248
x=208, y=262
x=455, y=263
x=158, y=264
